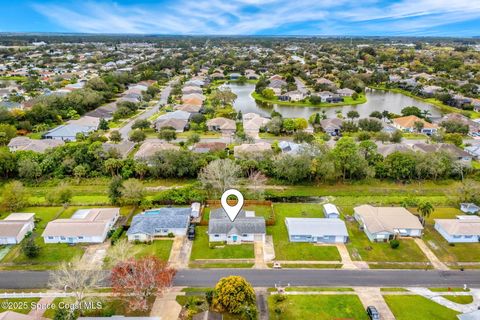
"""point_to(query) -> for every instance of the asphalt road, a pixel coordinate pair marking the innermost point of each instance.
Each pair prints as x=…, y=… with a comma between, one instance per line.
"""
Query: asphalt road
x=268, y=278
x=124, y=131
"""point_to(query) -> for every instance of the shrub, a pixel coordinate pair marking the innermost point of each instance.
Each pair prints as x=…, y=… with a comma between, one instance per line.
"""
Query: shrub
x=394, y=244
x=170, y=235
x=116, y=235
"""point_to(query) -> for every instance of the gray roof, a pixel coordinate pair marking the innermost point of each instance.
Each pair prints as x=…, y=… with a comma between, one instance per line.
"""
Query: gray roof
x=68, y=131
x=168, y=218
x=220, y=223
x=316, y=227
x=178, y=114
x=474, y=315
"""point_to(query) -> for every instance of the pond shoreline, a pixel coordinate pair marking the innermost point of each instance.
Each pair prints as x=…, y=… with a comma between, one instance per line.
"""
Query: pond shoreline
x=361, y=100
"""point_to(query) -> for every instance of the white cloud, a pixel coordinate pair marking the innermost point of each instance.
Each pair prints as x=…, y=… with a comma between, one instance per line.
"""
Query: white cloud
x=260, y=16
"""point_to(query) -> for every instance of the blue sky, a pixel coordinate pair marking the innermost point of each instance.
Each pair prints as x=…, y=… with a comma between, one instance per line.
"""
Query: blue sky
x=246, y=17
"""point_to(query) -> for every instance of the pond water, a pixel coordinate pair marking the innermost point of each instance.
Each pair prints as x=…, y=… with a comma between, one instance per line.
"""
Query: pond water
x=377, y=100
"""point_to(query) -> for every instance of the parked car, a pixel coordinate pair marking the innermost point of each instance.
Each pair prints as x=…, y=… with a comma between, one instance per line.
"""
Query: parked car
x=373, y=313
x=191, y=232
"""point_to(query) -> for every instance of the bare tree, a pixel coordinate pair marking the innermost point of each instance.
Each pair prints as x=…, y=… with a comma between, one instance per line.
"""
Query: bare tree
x=220, y=175
x=257, y=182
x=121, y=251
x=76, y=277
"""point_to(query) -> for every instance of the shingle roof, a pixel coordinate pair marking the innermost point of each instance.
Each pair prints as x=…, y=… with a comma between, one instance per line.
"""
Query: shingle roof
x=168, y=218
x=219, y=223
x=378, y=219
x=460, y=227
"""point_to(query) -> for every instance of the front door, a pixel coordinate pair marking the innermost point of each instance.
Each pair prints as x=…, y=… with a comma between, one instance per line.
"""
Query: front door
x=234, y=238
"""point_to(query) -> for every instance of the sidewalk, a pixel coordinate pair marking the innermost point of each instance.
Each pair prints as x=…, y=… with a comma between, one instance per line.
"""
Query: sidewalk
x=166, y=306
x=436, y=263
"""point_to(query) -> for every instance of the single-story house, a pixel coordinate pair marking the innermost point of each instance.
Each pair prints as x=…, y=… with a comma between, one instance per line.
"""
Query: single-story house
x=474, y=151
x=152, y=146
x=384, y=223
x=387, y=149
x=251, y=148
x=224, y=125
x=204, y=147
x=179, y=125
x=455, y=152
x=331, y=211
x=291, y=147
x=85, y=226
x=68, y=132
x=469, y=208
x=464, y=229
x=122, y=149
x=87, y=121
x=15, y=226
x=159, y=223
x=332, y=126
x=245, y=228
x=322, y=230
x=35, y=145
x=407, y=124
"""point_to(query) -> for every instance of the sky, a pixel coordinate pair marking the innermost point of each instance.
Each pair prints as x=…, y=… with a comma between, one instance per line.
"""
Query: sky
x=246, y=17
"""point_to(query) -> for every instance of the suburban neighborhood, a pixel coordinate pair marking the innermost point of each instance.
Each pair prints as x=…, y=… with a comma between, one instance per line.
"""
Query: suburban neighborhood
x=228, y=173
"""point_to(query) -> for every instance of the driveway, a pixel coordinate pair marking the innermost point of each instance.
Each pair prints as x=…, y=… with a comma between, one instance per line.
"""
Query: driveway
x=436, y=263
x=95, y=254
x=180, y=254
x=373, y=297
x=259, y=257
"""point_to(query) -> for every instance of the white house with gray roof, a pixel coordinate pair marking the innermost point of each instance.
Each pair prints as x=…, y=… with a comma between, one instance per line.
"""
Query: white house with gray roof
x=244, y=229
x=319, y=230
x=159, y=223
x=464, y=229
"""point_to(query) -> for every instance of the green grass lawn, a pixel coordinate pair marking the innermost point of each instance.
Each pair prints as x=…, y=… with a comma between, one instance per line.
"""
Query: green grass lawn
x=418, y=308
x=201, y=249
x=347, y=101
x=455, y=253
x=158, y=248
x=361, y=248
x=286, y=250
x=20, y=305
x=318, y=307
x=460, y=299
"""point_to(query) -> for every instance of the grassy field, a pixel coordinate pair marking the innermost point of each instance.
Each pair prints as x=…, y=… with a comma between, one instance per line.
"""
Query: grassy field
x=319, y=307
x=201, y=249
x=418, y=308
x=361, y=248
x=158, y=248
x=286, y=250
x=20, y=305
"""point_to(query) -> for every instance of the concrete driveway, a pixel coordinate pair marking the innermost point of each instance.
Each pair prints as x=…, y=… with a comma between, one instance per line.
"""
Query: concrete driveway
x=373, y=297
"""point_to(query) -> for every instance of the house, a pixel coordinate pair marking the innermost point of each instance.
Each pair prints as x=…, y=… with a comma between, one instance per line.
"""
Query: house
x=464, y=229
x=122, y=149
x=345, y=92
x=384, y=223
x=469, y=208
x=179, y=125
x=204, y=147
x=85, y=226
x=159, y=223
x=245, y=228
x=332, y=126
x=252, y=123
x=253, y=148
x=455, y=152
x=152, y=146
x=291, y=147
x=331, y=211
x=387, y=149
x=15, y=226
x=68, y=132
x=86, y=121
x=35, y=145
x=407, y=124
x=474, y=151
x=188, y=108
x=319, y=230
x=292, y=96
x=224, y=125
x=473, y=127
x=208, y=315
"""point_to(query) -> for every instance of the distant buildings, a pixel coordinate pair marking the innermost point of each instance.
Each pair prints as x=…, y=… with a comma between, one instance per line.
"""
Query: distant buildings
x=35, y=145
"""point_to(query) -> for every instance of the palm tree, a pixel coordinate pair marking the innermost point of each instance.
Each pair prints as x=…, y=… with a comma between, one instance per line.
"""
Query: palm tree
x=425, y=208
x=425, y=114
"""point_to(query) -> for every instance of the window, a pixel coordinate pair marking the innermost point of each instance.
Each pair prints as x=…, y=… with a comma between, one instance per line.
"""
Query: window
x=217, y=235
x=62, y=238
x=51, y=238
x=244, y=235
x=468, y=237
x=137, y=237
x=165, y=230
x=80, y=238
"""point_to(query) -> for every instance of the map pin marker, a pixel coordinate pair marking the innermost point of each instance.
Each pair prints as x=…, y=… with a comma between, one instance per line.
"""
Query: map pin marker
x=232, y=211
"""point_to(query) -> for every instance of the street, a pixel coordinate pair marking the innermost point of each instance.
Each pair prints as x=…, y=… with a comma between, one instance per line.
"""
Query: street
x=268, y=278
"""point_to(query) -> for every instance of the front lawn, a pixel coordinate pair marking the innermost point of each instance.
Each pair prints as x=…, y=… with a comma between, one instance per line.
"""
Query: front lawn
x=158, y=248
x=361, y=248
x=406, y=307
x=319, y=307
x=201, y=249
x=286, y=250
x=460, y=299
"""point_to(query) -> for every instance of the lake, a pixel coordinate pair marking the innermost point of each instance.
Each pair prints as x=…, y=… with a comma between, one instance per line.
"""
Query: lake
x=377, y=100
